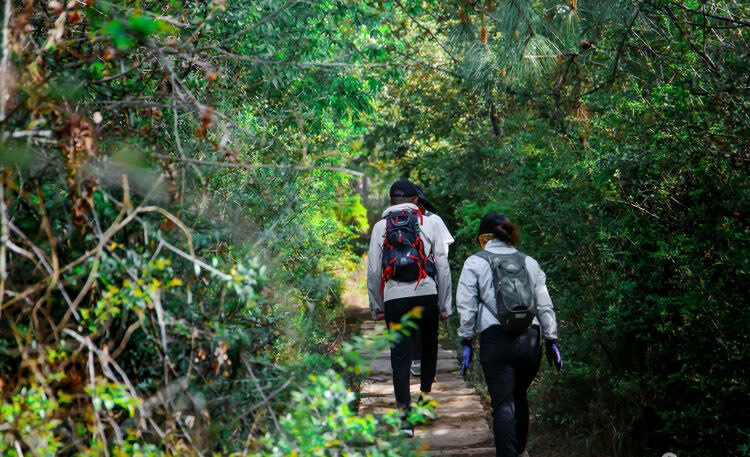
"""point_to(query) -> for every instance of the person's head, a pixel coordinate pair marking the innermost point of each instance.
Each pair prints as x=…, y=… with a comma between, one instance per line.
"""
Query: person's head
x=404, y=191
x=424, y=204
x=495, y=226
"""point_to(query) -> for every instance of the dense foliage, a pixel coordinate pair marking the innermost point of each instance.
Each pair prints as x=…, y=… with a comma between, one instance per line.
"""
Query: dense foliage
x=624, y=158
x=184, y=186
x=176, y=220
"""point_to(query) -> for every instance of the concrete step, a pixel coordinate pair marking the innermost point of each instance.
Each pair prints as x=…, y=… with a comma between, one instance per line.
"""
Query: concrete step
x=469, y=452
x=380, y=367
x=440, y=390
x=385, y=354
x=456, y=433
x=464, y=412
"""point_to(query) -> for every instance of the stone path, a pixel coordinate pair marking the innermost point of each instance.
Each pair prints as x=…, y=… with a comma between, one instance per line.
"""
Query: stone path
x=461, y=428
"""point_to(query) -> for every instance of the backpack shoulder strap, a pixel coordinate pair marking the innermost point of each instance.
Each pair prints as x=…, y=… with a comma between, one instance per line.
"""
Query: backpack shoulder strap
x=521, y=258
x=486, y=255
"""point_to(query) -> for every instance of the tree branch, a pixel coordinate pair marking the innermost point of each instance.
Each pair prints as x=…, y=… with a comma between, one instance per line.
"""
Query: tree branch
x=254, y=166
x=706, y=58
x=713, y=16
x=4, y=65
x=3, y=238
x=426, y=30
x=620, y=50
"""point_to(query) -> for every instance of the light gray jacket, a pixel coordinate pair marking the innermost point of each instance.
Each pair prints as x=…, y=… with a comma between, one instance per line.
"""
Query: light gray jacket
x=475, y=287
x=436, y=238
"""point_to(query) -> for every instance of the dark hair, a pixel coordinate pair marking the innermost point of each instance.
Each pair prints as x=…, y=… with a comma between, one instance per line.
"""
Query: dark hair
x=508, y=232
x=500, y=227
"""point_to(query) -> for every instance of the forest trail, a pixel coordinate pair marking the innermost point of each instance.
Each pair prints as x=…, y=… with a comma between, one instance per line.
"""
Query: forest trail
x=461, y=427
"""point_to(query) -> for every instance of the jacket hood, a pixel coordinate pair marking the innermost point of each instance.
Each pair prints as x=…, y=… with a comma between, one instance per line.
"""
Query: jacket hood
x=409, y=206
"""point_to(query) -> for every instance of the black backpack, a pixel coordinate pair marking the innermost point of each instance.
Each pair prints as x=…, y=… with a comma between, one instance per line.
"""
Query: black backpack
x=404, y=258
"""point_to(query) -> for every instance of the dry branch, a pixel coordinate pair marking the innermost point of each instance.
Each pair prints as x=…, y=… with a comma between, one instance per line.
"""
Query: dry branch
x=4, y=61
x=3, y=241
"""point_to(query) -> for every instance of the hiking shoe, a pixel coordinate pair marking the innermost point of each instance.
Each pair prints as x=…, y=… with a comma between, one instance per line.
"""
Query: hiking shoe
x=416, y=367
x=427, y=405
x=525, y=453
x=406, y=427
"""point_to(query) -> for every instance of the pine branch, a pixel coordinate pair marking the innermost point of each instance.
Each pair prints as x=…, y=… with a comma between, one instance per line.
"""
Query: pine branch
x=706, y=58
x=426, y=30
x=618, y=56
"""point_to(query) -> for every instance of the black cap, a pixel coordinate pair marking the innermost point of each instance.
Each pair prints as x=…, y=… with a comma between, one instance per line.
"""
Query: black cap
x=423, y=200
x=490, y=221
x=404, y=188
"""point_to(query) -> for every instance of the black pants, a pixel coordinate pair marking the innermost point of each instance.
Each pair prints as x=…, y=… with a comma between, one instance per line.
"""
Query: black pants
x=402, y=351
x=510, y=363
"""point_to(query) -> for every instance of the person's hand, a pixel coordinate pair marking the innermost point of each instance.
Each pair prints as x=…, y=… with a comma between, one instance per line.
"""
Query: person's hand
x=443, y=315
x=379, y=316
x=553, y=354
x=466, y=359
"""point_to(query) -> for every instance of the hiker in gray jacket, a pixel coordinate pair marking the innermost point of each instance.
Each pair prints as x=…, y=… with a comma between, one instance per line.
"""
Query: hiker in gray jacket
x=407, y=269
x=502, y=296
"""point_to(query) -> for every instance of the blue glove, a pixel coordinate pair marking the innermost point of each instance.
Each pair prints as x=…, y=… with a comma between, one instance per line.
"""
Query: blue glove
x=466, y=360
x=553, y=354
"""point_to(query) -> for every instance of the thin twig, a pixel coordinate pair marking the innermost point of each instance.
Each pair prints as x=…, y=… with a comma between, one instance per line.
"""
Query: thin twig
x=111, y=231
x=620, y=50
x=247, y=411
x=706, y=58
x=638, y=207
x=156, y=300
x=223, y=54
x=105, y=361
x=118, y=75
x=263, y=20
x=4, y=61
x=19, y=450
x=92, y=383
x=713, y=16
x=263, y=396
x=126, y=338
x=253, y=166
x=3, y=240
x=195, y=260
x=428, y=31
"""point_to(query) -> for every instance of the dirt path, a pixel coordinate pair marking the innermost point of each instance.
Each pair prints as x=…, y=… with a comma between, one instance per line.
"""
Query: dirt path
x=461, y=427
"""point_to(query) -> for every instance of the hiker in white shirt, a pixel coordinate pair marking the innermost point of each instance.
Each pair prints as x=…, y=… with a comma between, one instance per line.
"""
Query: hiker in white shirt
x=430, y=211
x=407, y=271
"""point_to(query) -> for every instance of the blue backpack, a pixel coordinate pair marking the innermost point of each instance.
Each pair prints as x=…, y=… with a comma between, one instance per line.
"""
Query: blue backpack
x=404, y=258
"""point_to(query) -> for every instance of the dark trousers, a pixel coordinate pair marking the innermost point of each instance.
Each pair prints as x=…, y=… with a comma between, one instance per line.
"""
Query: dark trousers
x=402, y=351
x=510, y=363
